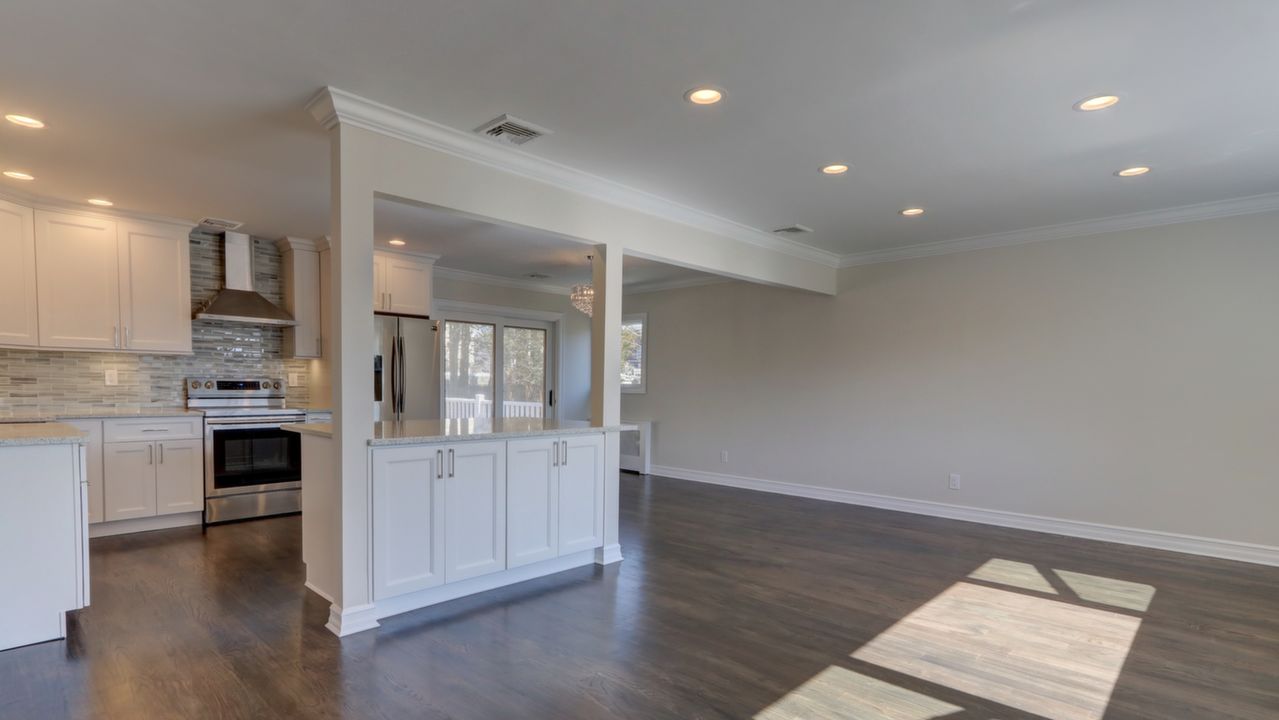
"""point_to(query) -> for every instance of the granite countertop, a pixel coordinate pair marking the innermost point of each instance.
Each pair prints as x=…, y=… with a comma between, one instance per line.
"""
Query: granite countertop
x=24, y=415
x=39, y=433
x=413, y=432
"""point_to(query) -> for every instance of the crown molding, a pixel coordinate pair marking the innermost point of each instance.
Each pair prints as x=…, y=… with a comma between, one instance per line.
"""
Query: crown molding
x=289, y=242
x=1084, y=228
x=43, y=202
x=332, y=106
x=498, y=281
x=677, y=284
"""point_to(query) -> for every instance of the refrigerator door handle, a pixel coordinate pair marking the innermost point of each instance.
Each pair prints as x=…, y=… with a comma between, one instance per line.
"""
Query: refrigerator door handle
x=395, y=370
x=404, y=374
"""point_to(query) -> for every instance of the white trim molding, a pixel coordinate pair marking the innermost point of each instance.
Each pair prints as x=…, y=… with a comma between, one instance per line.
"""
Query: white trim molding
x=1190, y=544
x=675, y=284
x=331, y=106
x=1084, y=228
x=499, y=281
x=348, y=621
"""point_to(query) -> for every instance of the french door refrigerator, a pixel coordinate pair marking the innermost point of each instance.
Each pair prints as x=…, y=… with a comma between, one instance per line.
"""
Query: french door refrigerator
x=406, y=378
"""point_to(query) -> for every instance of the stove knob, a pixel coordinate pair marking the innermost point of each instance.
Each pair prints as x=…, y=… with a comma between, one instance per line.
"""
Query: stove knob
x=195, y=385
x=208, y=385
x=275, y=386
x=266, y=385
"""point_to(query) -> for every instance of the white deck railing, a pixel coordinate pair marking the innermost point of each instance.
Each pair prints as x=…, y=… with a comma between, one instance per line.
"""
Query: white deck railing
x=481, y=407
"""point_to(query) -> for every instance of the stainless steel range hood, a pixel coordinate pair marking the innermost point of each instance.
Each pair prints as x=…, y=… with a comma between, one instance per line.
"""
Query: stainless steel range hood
x=237, y=302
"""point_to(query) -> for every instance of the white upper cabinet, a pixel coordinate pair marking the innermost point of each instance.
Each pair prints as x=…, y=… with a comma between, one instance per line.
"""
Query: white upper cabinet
x=18, y=316
x=97, y=283
x=155, y=288
x=402, y=283
x=78, y=279
x=300, y=260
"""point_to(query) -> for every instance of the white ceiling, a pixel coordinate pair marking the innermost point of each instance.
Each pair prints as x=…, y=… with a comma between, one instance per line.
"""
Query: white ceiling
x=475, y=246
x=190, y=108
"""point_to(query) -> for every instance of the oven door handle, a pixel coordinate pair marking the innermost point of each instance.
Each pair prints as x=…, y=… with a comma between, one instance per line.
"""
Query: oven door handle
x=253, y=423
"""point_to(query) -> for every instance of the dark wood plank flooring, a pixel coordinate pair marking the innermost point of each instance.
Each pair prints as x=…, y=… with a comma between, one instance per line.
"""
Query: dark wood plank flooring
x=727, y=602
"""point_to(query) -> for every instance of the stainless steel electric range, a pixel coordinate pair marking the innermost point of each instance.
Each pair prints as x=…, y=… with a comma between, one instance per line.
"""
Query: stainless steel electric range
x=252, y=468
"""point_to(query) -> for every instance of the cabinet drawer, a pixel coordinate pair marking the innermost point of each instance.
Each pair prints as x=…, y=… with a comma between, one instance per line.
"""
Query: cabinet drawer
x=136, y=429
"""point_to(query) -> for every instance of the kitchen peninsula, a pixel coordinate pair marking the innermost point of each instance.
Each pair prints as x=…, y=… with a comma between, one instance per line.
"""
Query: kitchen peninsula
x=462, y=506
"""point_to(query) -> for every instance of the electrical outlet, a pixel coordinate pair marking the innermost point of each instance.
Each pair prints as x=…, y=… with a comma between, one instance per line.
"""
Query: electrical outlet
x=295, y=379
x=954, y=481
x=723, y=456
x=113, y=377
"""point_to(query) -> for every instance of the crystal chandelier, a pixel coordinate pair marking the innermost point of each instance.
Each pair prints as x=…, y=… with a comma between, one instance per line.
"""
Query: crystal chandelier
x=583, y=296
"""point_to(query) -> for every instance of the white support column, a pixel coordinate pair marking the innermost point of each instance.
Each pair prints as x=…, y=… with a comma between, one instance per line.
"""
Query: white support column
x=352, y=339
x=606, y=383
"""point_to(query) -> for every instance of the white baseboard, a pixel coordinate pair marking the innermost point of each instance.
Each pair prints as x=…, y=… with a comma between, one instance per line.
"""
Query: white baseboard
x=315, y=589
x=348, y=621
x=1190, y=544
x=145, y=524
x=608, y=554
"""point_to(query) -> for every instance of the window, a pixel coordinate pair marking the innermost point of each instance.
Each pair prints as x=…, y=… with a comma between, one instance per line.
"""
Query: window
x=496, y=361
x=634, y=352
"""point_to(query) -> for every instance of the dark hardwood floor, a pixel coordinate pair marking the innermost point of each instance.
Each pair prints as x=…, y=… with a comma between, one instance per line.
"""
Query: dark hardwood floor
x=730, y=604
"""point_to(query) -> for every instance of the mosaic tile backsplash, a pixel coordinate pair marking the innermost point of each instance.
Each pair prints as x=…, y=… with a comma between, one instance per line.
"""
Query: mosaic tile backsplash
x=50, y=382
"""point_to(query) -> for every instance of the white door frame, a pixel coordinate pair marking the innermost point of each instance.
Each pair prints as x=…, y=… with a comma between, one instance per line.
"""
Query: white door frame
x=500, y=316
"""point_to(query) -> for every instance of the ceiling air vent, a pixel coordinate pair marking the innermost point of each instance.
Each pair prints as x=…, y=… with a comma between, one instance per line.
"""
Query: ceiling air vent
x=220, y=224
x=511, y=130
x=793, y=230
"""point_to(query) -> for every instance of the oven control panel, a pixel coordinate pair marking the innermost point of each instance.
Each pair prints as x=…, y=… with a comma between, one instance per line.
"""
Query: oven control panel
x=234, y=387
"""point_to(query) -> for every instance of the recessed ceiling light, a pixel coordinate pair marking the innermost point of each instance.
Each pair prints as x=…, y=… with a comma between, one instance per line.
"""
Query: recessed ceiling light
x=835, y=169
x=1133, y=171
x=19, y=175
x=912, y=212
x=1099, y=102
x=396, y=242
x=101, y=202
x=24, y=121
x=704, y=96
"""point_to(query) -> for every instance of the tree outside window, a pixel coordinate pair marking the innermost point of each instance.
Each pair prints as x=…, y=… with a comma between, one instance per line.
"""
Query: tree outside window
x=634, y=342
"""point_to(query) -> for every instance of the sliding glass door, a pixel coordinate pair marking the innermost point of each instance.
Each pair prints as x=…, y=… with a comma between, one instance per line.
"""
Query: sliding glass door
x=496, y=367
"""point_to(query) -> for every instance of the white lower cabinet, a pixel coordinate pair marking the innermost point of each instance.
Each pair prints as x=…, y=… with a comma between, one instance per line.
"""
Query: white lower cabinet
x=146, y=478
x=408, y=526
x=474, y=510
x=446, y=513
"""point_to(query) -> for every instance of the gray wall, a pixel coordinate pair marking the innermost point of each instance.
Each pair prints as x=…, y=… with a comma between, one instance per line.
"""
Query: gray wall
x=42, y=381
x=1129, y=379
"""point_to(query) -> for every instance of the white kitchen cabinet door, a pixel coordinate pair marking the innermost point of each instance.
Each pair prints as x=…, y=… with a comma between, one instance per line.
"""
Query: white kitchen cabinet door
x=532, y=500
x=474, y=509
x=581, y=493
x=128, y=480
x=155, y=288
x=93, y=465
x=408, y=285
x=18, y=315
x=379, y=283
x=300, y=275
x=179, y=476
x=408, y=520
x=77, y=281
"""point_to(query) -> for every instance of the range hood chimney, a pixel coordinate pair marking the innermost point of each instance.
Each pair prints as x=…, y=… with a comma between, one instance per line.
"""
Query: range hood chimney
x=237, y=302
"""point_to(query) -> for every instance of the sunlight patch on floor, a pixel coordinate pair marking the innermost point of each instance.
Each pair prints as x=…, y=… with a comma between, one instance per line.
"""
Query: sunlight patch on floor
x=1035, y=654
x=837, y=693
x=1016, y=574
x=1108, y=591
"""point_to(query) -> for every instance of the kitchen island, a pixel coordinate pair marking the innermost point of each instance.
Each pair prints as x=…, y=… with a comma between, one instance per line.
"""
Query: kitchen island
x=461, y=506
x=44, y=543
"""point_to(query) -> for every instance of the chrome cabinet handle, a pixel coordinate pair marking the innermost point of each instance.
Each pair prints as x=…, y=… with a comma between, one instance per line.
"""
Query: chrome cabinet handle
x=439, y=463
x=318, y=348
x=564, y=444
x=451, y=462
x=161, y=453
x=150, y=454
x=555, y=454
x=115, y=335
x=126, y=336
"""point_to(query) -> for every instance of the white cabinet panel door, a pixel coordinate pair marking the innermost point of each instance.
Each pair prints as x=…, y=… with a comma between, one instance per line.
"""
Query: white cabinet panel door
x=78, y=281
x=155, y=288
x=17, y=276
x=128, y=480
x=581, y=493
x=408, y=521
x=475, y=509
x=179, y=476
x=532, y=500
x=301, y=278
x=93, y=465
x=408, y=286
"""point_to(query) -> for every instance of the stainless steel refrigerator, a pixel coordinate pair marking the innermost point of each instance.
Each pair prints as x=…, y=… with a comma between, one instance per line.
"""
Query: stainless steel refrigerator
x=406, y=375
